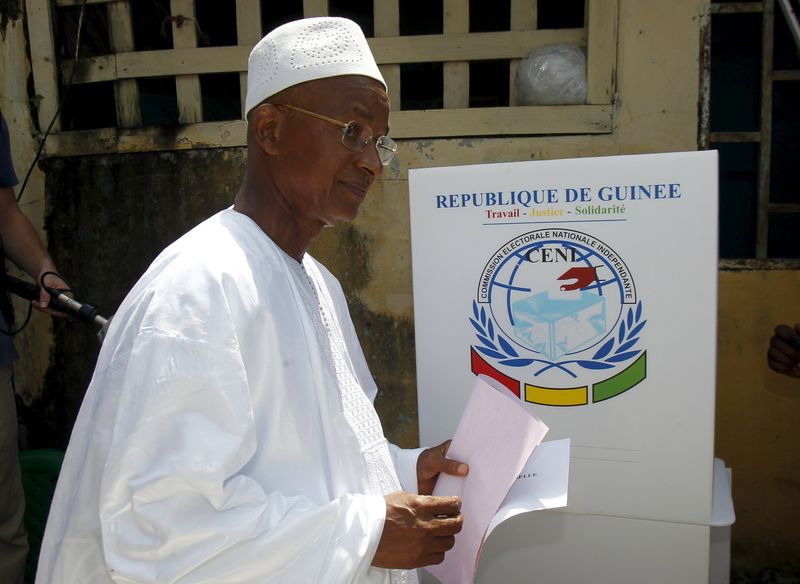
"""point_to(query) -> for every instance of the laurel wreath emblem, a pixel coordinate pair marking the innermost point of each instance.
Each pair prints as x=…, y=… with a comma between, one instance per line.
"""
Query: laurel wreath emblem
x=620, y=347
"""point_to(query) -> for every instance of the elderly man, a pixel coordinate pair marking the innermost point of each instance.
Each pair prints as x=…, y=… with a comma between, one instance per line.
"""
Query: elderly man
x=228, y=433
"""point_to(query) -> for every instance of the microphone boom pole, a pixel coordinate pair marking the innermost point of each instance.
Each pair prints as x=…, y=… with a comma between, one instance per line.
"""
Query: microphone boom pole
x=59, y=301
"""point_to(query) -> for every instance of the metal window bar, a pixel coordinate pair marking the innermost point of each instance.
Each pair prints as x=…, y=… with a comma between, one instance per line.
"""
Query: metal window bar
x=764, y=136
x=764, y=160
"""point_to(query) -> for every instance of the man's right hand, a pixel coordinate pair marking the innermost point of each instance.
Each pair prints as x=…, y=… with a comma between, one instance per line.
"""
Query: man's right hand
x=418, y=530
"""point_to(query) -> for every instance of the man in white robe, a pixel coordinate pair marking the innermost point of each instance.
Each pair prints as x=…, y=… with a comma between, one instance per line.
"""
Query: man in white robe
x=228, y=434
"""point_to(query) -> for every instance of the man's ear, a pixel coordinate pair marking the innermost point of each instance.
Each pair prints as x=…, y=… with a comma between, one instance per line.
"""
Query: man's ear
x=265, y=124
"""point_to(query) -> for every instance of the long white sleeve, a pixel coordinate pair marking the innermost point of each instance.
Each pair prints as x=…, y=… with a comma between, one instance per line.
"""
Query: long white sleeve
x=175, y=504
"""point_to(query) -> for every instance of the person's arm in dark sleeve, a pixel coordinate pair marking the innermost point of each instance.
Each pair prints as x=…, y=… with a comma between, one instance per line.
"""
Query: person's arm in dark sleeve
x=21, y=243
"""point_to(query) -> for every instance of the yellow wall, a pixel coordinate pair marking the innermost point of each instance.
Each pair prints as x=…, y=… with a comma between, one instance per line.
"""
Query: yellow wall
x=758, y=417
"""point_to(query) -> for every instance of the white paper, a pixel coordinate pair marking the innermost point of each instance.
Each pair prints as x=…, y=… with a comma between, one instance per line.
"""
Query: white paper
x=542, y=484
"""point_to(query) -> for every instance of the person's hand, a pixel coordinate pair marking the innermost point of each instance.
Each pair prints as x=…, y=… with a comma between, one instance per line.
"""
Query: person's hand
x=51, y=280
x=434, y=461
x=784, y=350
x=418, y=530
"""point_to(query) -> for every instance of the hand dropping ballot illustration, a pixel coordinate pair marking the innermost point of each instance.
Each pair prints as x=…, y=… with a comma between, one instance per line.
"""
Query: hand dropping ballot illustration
x=559, y=299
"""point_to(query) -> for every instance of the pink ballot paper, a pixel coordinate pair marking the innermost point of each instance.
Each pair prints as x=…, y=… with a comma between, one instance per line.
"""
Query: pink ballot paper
x=496, y=436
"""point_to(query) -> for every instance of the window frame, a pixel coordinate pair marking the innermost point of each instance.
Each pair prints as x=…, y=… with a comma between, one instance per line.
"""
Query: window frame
x=455, y=48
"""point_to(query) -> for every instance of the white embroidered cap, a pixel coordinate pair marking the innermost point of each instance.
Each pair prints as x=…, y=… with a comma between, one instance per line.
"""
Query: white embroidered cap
x=304, y=50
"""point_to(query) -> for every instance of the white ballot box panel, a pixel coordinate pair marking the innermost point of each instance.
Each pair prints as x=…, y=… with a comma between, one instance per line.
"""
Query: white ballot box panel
x=588, y=288
x=550, y=547
x=722, y=517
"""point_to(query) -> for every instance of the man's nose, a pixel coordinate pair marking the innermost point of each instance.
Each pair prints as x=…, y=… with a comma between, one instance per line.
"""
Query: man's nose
x=369, y=159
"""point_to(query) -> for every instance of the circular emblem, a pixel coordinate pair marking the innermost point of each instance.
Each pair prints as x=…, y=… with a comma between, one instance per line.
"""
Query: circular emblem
x=557, y=319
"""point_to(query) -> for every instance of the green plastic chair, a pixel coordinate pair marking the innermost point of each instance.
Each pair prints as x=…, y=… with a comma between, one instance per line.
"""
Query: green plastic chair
x=40, y=470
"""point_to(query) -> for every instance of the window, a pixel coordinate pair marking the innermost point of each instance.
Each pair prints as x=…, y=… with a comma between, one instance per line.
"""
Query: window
x=182, y=64
x=752, y=118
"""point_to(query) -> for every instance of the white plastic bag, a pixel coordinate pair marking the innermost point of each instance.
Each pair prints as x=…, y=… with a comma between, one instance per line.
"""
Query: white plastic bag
x=552, y=75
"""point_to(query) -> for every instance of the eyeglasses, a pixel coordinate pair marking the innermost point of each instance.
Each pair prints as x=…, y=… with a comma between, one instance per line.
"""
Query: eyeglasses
x=356, y=136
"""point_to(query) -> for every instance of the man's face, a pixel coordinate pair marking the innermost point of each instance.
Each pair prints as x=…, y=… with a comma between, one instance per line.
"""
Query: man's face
x=321, y=179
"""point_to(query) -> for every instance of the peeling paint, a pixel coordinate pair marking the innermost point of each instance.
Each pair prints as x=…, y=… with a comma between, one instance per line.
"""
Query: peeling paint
x=470, y=142
x=423, y=145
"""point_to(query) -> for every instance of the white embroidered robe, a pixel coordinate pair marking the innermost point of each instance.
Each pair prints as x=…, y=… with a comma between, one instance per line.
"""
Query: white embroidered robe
x=228, y=433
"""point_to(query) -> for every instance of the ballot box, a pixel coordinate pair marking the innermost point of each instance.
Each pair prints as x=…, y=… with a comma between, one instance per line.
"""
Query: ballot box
x=588, y=289
x=559, y=547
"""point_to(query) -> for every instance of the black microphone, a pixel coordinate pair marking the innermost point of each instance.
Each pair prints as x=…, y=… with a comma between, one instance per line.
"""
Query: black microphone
x=59, y=301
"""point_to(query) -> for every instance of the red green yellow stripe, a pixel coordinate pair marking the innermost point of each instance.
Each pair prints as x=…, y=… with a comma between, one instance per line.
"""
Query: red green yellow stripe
x=629, y=377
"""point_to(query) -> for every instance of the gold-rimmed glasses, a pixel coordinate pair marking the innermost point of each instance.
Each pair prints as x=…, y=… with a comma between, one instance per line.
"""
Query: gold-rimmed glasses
x=355, y=135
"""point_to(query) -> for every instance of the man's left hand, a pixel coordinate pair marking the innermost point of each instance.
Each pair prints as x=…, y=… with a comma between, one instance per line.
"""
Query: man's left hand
x=434, y=461
x=51, y=280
